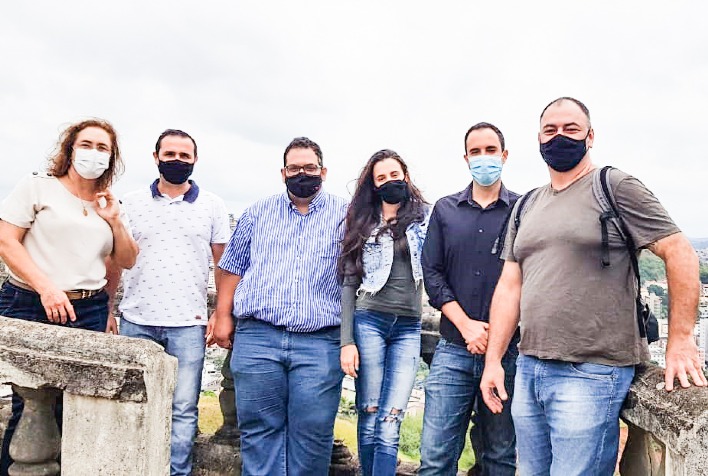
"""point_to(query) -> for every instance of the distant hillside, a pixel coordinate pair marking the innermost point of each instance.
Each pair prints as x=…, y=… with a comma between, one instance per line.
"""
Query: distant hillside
x=652, y=268
x=699, y=243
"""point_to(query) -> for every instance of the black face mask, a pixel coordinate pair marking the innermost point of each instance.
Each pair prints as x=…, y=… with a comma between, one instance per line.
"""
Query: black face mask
x=175, y=171
x=395, y=191
x=563, y=153
x=303, y=185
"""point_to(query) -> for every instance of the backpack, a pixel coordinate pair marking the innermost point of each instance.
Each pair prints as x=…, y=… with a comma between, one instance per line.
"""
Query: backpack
x=648, y=325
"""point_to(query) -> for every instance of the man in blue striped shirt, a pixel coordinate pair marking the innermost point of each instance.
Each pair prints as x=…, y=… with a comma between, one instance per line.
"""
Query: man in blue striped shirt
x=280, y=284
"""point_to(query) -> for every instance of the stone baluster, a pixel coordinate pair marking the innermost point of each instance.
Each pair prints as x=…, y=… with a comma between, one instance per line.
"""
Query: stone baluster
x=643, y=454
x=36, y=442
x=227, y=400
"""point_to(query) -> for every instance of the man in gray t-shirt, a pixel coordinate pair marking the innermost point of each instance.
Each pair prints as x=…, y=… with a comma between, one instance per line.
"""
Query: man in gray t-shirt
x=580, y=338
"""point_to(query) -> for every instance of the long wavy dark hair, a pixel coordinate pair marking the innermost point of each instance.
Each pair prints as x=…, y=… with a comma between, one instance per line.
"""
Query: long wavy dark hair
x=364, y=214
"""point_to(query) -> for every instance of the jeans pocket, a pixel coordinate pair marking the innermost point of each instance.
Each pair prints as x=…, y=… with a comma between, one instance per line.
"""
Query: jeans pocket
x=21, y=304
x=594, y=371
x=8, y=298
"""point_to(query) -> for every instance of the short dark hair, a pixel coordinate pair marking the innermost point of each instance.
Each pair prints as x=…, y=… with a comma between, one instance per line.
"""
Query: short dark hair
x=578, y=103
x=303, y=143
x=486, y=125
x=174, y=132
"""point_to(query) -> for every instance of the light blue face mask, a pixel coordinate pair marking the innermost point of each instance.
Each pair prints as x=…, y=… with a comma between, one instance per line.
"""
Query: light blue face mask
x=485, y=169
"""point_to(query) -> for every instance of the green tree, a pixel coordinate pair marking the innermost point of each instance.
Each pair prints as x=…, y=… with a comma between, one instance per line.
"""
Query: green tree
x=651, y=267
x=656, y=289
x=704, y=273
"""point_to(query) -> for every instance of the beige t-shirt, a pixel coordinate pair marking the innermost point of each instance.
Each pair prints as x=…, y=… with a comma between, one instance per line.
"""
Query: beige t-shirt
x=66, y=245
x=573, y=309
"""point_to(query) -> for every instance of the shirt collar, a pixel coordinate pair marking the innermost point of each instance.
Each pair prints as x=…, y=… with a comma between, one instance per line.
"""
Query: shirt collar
x=190, y=196
x=316, y=202
x=466, y=195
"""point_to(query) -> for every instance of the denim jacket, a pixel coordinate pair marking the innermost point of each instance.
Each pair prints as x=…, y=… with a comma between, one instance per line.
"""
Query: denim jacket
x=377, y=256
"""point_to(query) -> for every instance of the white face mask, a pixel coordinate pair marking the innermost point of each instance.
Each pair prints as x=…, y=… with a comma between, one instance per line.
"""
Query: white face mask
x=90, y=163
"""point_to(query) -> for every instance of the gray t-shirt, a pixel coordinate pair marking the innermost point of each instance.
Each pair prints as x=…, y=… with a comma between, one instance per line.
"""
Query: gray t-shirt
x=399, y=295
x=573, y=309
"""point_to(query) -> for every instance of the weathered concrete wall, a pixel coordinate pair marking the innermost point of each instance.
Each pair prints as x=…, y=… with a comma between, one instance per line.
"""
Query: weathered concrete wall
x=668, y=431
x=4, y=416
x=117, y=394
x=216, y=457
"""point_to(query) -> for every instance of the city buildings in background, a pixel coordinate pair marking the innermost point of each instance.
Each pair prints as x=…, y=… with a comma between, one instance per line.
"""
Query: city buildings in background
x=700, y=331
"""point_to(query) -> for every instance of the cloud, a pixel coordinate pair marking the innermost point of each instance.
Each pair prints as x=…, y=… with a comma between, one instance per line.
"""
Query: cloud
x=246, y=77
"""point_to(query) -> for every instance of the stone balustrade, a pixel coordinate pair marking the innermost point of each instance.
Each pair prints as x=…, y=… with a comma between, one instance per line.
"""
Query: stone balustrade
x=117, y=406
x=116, y=399
x=668, y=432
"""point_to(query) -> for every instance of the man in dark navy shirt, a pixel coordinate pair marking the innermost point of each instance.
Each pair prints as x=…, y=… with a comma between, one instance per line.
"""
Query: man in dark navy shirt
x=461, y=267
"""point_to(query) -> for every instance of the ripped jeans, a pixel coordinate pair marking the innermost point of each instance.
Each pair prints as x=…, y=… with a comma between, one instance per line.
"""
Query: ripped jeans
x=389, y=353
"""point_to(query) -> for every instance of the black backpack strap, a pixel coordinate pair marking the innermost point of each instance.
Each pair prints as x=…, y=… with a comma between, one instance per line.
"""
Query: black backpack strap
x=522, y=204
x=648, y=327
x=498, y=246
x=610, y=213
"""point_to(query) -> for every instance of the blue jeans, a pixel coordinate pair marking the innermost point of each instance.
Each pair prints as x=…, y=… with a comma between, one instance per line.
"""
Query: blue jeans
x=288, y=386
x=389, y=352
x=187, y=344
x=451, y=394
x=567, y=416
x=18, y=303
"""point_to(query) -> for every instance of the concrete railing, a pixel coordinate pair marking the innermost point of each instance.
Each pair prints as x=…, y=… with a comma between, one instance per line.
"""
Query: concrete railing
x=117, y=401
x=117, y=406
x=668, y=432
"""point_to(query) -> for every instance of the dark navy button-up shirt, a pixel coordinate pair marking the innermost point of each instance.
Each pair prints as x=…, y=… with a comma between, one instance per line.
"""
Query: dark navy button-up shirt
x=460, y=262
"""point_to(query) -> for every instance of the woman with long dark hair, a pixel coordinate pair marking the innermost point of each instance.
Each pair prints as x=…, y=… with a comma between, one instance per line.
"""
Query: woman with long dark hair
x=381, y=303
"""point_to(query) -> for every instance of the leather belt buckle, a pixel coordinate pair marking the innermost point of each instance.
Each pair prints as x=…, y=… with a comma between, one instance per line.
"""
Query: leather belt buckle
x=77, y=294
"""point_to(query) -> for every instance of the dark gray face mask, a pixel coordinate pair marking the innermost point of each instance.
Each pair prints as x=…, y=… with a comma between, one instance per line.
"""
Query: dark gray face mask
x=175, y=171
x=562, y=153
x=394, y=191
x=303, y=185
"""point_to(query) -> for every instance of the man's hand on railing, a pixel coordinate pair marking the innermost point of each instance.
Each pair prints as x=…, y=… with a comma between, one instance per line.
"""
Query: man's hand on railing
x=683, y=362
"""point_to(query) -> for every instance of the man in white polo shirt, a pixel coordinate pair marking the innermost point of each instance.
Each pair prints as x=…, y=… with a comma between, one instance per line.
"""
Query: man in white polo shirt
x=178, y=228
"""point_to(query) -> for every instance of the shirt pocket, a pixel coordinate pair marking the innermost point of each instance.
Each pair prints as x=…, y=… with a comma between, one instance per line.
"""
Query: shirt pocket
x=327, y=248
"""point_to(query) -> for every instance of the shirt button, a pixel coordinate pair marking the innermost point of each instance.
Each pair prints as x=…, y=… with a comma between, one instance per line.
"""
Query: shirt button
x=481, y=230
x=477, y=273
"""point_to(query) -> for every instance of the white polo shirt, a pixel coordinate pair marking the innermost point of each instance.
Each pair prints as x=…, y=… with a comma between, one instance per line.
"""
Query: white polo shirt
x=168, y=284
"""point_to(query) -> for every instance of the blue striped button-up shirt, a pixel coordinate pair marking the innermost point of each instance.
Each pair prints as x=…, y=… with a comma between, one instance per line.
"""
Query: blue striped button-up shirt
x=288, y=262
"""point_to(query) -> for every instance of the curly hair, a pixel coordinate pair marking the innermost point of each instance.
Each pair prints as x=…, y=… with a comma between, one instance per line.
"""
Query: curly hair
x=364, y=214
x=60, y=160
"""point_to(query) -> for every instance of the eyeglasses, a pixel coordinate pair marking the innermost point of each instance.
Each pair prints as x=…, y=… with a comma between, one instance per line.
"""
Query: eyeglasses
x=309, y=169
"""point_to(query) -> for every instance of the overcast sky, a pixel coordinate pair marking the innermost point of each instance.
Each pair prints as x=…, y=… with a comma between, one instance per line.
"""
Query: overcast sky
x=246, y=77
